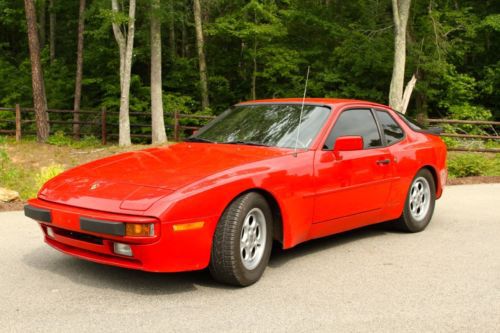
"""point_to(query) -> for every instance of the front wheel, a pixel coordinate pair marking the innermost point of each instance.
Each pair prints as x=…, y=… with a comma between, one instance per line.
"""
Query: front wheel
x=242, y=241
x=419, y=204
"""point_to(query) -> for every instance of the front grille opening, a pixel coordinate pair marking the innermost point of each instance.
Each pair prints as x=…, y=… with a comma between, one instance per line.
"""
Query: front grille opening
x=79, y=236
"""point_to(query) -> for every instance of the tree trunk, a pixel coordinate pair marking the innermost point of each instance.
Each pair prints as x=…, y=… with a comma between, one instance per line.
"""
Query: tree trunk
x=184, y=46
x=79, y=71
x=254, y=72
x=157, y=120
x=171, y=30
x=52, y=31
x=41, y=22
x=39, y=99
x=183, y=35
x=421, y=106
x=200, y=45
x=125, y=42
x=401, y=11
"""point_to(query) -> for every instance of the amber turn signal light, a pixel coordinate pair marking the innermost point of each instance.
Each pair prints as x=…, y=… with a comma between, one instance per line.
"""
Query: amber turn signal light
x=188, y=226
x=140, y=229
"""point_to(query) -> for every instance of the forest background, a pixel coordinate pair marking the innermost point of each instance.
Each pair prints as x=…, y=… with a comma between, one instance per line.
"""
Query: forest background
x=257, y=49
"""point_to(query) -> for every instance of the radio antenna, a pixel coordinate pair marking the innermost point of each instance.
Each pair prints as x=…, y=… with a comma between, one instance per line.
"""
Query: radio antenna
x=302, y=111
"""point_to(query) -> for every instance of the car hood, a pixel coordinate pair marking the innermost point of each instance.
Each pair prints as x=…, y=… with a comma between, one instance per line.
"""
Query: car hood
x=136, y=180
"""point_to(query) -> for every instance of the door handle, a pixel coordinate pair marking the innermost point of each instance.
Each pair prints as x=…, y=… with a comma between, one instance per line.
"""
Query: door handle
x=384, y=162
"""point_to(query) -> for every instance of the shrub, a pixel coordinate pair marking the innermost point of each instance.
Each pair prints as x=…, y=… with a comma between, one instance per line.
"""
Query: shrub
x=47, y=173
x=467, y=165
x=86, y=142
x=59, y=139
x=468, y=112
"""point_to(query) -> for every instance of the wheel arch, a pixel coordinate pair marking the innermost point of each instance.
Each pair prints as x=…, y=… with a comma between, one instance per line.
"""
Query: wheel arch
x=275, y=210
x=434, y=174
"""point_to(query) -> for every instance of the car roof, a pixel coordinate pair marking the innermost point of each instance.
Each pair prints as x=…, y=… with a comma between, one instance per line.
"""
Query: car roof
x=309, y=100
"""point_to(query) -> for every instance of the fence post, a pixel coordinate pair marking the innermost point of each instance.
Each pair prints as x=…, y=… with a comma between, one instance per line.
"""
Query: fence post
x=18, y=122
x=103, y=126
x=176, y=125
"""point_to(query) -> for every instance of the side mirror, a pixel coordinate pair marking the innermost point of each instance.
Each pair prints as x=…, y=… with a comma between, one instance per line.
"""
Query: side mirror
x=348, y=143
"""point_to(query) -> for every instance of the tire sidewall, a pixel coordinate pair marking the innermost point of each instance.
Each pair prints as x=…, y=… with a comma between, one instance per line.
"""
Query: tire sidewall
x=244, y=275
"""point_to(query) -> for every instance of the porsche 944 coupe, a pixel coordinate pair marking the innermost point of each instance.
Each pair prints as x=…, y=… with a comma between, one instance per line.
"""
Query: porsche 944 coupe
x=285, y=170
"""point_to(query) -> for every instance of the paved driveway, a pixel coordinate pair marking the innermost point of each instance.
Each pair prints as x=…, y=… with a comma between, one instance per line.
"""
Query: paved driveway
x=444, y=279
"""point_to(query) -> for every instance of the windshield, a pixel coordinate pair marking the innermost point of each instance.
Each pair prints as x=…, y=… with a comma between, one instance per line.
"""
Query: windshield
x=274, y=125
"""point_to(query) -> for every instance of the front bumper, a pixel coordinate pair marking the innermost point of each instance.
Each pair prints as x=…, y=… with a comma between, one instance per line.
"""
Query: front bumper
x=166, y=251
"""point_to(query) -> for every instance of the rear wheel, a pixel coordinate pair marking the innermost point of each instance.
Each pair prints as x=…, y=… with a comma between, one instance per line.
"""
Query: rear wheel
x=242, y=241
x=420, y=202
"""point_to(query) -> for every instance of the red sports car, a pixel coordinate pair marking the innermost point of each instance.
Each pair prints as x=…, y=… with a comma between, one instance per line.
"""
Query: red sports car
x=264, y=170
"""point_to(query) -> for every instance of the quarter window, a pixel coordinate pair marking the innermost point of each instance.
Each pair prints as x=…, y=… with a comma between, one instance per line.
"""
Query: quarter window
x=355, y=122
x=392, y=131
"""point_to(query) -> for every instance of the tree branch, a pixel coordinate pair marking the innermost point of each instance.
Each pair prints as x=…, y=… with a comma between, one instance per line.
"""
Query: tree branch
x=395, y=12
x=120, y=39
x=407, y=94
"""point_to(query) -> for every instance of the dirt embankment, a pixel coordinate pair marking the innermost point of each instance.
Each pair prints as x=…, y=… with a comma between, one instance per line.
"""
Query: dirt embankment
x=28, y=158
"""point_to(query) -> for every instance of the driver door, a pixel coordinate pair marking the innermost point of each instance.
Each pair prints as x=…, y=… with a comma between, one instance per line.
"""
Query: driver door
x=351, y=183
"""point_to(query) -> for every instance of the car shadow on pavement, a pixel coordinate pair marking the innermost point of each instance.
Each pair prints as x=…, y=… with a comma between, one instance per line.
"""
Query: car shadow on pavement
x=100, y=276
x=280, y=257
x=95, y=275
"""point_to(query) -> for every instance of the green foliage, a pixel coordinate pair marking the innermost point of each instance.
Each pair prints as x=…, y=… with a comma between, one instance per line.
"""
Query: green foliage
x=4, y=158
x=469, y=164
x=492, y=21
x=492, y=144
x=61, y=139
x=468, y=112
x=180, y=103
x=47, y=173
x=453, y=49
x=450, y=142
x=16, y=82
x=88, y=141
x=10, y=175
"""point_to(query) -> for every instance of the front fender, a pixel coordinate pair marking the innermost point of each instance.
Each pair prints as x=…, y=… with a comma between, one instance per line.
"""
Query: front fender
x=289, y=179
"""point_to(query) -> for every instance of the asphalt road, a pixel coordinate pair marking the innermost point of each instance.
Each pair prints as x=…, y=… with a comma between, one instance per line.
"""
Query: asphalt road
x=445, y=279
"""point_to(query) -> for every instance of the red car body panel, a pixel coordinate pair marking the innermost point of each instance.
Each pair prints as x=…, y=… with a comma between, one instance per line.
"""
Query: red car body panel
x=314, y=192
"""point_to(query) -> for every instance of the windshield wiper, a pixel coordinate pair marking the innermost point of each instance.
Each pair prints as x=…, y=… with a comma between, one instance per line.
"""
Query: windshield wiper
x=195, y=139
x=248, y=143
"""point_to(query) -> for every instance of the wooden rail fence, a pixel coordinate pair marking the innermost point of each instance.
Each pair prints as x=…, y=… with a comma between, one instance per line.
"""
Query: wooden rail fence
x=492, y=124
x=100, y=120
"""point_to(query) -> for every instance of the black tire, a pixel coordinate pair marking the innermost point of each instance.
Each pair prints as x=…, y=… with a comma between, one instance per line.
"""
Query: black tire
x=226, y=262
x=408, y=222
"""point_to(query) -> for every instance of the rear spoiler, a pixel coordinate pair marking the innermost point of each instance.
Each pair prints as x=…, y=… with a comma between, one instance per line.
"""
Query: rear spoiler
x=433, y=130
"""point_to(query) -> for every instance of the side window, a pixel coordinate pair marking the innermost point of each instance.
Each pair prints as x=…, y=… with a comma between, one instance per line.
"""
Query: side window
x=355, y=122
x=412, y=123
x=392, y=131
